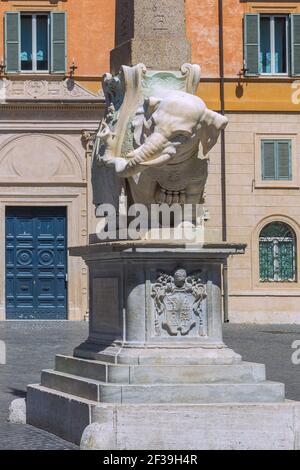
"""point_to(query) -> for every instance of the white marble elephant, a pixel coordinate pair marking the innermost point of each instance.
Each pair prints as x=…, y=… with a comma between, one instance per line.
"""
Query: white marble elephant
x=172, y=137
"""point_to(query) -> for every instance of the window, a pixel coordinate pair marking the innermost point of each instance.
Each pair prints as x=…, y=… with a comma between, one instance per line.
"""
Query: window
x=35, y=42
x=272, y=44
x=276, y=161
x=277, y=253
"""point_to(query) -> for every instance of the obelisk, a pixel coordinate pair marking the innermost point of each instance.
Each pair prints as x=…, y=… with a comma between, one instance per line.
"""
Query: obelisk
x=150, y=32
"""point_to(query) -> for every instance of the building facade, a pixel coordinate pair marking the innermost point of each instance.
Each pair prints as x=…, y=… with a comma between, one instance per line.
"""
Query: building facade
x=52, y=59
x=53, y=54
x=259, y=191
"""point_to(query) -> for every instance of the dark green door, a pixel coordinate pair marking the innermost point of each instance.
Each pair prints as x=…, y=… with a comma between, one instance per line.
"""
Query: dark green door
x=36, y=263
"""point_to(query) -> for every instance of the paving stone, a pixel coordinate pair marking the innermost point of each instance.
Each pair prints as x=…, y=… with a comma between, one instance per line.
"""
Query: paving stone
x=29, y=347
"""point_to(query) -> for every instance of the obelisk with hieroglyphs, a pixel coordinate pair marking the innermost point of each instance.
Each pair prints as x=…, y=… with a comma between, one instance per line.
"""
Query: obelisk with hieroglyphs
x=150, y=32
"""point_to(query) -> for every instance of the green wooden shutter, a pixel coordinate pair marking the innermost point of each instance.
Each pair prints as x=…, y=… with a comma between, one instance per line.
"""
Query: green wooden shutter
x=251, y=43
x=58, y=42
x=13, y=42
x=268, y=165
x=284, y=170
x=295, y=44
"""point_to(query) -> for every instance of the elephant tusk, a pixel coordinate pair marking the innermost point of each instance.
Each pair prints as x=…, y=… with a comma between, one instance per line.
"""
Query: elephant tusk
x=157, y=162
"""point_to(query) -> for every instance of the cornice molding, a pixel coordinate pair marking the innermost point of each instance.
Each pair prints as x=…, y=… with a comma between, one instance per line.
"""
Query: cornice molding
x=32, y=2
x=45, y=90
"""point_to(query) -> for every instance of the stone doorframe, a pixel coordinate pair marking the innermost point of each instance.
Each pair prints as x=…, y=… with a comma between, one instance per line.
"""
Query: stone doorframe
x=74, y=199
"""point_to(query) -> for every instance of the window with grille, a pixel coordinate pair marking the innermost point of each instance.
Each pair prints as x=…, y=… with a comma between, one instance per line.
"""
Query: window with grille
x=276, y=159
x=277, y=253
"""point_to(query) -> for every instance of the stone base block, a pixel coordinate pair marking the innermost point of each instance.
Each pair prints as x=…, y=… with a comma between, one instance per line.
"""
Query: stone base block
x=206, y=427
x=153, y=374
x=147, y=383
x=207, y=354
x=163, y=393
x=166, y=426
x=58, y=413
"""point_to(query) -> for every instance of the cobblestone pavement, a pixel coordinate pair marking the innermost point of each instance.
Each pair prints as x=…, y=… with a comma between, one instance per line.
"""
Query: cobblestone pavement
x=270, y=345
x=31, y=346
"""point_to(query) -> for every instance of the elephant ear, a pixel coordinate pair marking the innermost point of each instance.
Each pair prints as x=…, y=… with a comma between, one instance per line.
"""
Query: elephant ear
x=150, y=105
x=137, y=126
x=208, y=138
x=211, y=127
x=141, y=123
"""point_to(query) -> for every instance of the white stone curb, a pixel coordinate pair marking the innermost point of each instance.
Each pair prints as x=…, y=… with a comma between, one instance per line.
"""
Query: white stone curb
x=17, y=411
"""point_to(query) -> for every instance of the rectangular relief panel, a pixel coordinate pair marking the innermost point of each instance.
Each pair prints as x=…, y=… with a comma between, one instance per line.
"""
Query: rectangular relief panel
x=106, y=318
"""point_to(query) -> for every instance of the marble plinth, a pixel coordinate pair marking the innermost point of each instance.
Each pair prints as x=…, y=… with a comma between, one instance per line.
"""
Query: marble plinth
x=155, y=354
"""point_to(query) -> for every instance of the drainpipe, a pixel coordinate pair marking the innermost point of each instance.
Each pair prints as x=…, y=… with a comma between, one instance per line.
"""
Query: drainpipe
x=223, y=160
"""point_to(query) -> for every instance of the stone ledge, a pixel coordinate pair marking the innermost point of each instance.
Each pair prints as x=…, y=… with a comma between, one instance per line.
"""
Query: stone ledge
x=239, y=426
x=143, y=374
x=211, y=392
x=157, y=249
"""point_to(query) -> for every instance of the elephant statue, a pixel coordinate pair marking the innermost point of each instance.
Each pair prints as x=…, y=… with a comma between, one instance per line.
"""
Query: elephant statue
x=172, y=136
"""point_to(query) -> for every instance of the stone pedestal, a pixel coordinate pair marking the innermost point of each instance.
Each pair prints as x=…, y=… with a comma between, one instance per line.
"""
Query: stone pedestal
x=154, y=303
x=155, y=360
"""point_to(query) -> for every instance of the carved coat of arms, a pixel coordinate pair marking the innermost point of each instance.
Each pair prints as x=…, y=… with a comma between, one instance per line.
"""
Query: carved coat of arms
x=178, y=300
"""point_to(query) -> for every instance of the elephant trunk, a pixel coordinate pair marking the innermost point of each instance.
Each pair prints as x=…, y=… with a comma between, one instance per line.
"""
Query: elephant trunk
x=150, y=150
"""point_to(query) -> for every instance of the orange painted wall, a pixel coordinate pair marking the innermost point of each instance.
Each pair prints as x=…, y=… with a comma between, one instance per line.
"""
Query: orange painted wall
x=91, y=30
x=233, y=13
x=91, y=35
x=203, y=32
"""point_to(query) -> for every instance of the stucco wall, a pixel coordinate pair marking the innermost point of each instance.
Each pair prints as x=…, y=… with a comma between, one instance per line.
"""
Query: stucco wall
x=43, y=162
x=90, y=26
x=250, y=206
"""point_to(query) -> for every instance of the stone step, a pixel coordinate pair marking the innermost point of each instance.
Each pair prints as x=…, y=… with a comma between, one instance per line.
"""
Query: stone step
x=163, y=393
x=209, y=354
x=147, y=374
x=88, y=389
